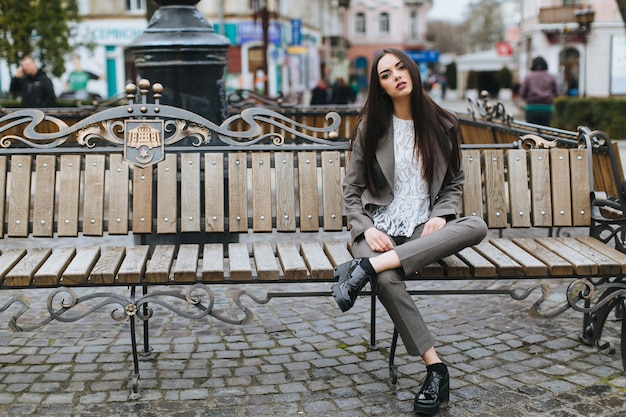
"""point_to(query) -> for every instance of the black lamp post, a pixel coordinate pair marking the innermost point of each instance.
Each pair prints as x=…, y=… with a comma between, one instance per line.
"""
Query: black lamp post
x=584, y=18
x=181, y=50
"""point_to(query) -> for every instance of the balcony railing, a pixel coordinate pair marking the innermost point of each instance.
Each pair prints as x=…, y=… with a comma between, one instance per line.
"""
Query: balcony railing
x=561, y=14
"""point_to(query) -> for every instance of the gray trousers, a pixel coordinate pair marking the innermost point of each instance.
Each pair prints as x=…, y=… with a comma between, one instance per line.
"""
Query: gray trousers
x=415, y=253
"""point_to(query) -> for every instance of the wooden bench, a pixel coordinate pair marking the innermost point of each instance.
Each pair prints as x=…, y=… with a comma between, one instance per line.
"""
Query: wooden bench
x=210, y=205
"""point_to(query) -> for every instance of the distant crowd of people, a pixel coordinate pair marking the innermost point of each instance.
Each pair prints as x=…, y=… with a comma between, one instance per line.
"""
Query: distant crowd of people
x=340, y=92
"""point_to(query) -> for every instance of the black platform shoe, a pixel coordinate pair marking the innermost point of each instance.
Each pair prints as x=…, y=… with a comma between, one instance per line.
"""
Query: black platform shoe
x=351, y=280
x=434, y=392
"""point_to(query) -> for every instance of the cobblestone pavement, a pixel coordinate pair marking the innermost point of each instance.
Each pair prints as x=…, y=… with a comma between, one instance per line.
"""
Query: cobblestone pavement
x=303, y=357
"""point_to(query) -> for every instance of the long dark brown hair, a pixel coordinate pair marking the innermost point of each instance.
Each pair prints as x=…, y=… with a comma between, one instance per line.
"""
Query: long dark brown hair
x=429, y=120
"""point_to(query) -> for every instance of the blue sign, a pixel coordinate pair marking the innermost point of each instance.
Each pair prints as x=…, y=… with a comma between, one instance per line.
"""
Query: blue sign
x=296, y=32
x=250, y=32
x=423, y=56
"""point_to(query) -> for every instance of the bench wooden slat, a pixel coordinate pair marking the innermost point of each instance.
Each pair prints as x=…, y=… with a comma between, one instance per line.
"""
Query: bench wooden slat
x=19, y=201
x=213, y=262
x=160, y=264
x=44, y=198
x=134, y=265
x=118, y=195
x=580, y=186
x=478, y=264
x=531, y=266
x=93, y=204
x=606, y=250
x=556, y=265
x=8, y=260
x=265, y=261
x=142, y=199
x=3, y=190
x=190, y=192
x=291, y=262
x=505, y=265
x=561, y=187
x=540, y=184
x=167, y=195
x=22, y=273
x=108, y=265
x=495, y=198
x=582, y=264
x=518, y=188
x=606, y=265
x=214, y=192
x=285, y=195
x=472, y=188
x=337, y=252
x=185, y=267
x=239, y=262
x=237, y=192
x=261, y=192
x=81, y=265
x=454, y=267
x=69, y=199
x=331, y=195
x=315, y=259
x=51, y=271
x=309, y=198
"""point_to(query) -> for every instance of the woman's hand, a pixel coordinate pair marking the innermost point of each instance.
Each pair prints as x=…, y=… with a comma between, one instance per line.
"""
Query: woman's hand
x=377, y=241
x=432, y=225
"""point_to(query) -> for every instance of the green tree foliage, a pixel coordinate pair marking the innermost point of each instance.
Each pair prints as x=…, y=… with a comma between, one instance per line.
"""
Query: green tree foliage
x=42, y=28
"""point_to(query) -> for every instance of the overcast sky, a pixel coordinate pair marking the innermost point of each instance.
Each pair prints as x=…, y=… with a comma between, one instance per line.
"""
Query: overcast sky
x=449, y=10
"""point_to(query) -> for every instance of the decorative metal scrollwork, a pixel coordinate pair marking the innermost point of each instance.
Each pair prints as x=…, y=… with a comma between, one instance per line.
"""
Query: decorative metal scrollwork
x=533, y=141
x=62, y=305
x=108, y=126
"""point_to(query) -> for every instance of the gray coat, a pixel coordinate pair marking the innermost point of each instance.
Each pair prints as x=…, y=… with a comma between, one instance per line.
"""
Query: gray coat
x=445, y=191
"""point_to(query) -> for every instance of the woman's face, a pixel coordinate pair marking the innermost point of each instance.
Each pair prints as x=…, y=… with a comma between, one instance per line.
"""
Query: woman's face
x=394, y=77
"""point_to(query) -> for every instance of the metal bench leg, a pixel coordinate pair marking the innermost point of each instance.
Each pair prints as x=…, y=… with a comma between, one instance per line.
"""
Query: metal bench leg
x=373, y=315
x=133, y=342
x=146, y=327
x=393, y=369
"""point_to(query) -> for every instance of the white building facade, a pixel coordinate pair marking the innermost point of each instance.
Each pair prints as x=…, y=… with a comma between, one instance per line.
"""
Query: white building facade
x=589, y=59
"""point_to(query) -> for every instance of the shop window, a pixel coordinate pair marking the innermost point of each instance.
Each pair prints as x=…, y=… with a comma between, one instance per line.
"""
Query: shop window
x=136, y=6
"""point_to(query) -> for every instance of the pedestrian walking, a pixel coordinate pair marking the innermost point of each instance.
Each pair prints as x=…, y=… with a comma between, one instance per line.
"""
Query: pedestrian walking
x=538, y=90
x=402, y=193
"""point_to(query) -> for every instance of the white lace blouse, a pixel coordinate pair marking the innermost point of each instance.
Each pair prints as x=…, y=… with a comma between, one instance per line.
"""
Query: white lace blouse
x=411, y=202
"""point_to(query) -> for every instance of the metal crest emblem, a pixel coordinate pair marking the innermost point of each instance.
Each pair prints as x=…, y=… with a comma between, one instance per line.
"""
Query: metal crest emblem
x=143, y=144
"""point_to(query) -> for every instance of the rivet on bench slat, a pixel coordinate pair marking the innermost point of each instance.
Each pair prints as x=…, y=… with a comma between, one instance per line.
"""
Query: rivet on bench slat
x=92, y=221
x=238, y=218
x=190, y=162
x=260, y=162
x=42, y=221
x=543, y=212
x=309, y=217
x=143, y=219
x=330, y=161
x=20, y=165
x=562, y=213
x=118, y=220
x=262, y=217
x=540, y=158
x=45, y=165
x=190, y=218
x=494, y=159
x=579, y=157
x=333, y=216
x=561, y=158
x=18, y=222
x=521, y=213
x=286, y=216
x=517, y=158
x=166, y=219
x=214, y=162
x=471, y=159
x=167, y=169
x=93, y=164
x=119, y=170
x=498, y=214
x=308, y=161
x=284, y=161
x=143, y=177
x=67, y=221
x=582, y=212
x=474, y=213
x=214, y=217
x=237, y=162
x=70, y=164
